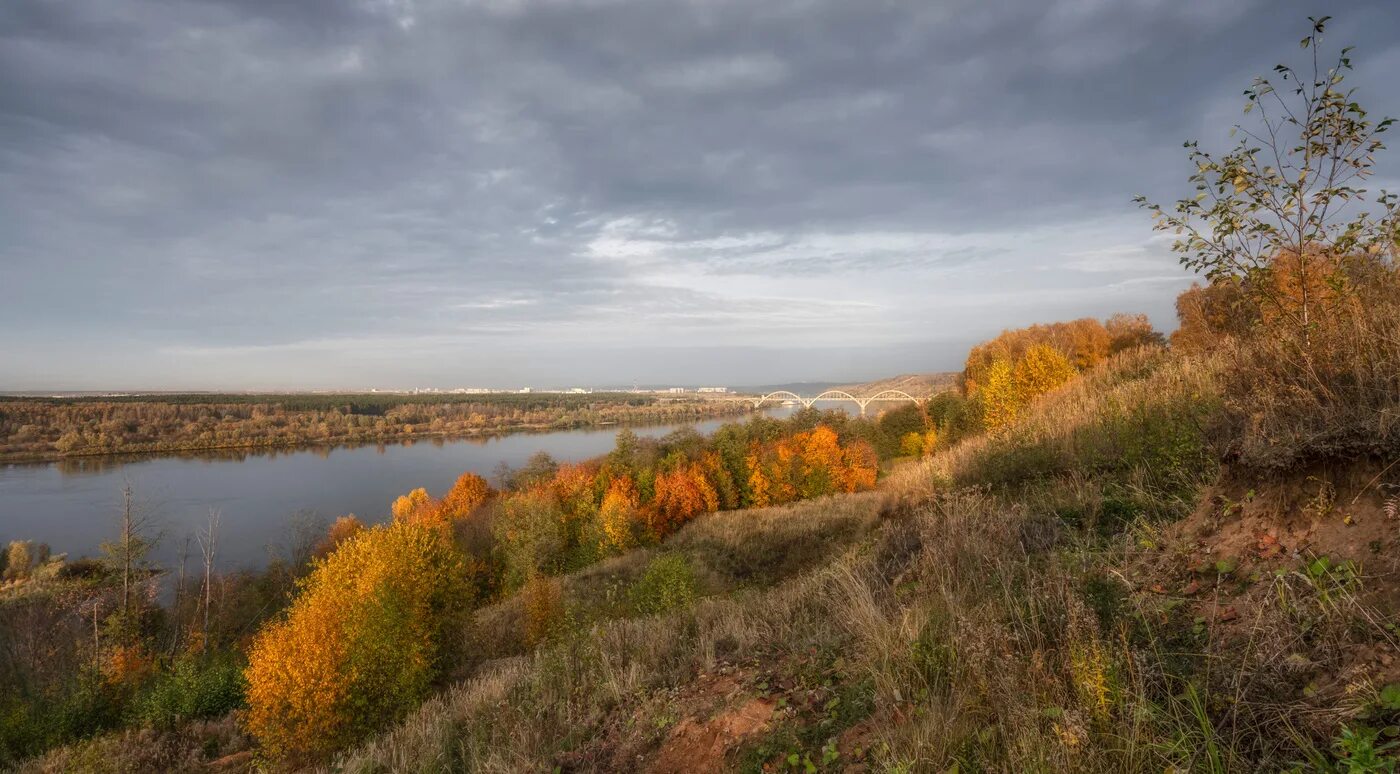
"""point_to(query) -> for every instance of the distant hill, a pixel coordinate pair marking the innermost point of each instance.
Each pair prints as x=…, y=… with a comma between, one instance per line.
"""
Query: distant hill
x=918, y=385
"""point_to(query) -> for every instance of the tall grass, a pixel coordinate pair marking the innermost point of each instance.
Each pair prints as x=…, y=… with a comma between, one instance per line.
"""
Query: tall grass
x=1148, y=422
x=1332, y=391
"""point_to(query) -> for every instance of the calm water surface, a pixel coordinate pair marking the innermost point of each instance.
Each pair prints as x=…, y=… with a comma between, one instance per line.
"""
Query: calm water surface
x=262, y=495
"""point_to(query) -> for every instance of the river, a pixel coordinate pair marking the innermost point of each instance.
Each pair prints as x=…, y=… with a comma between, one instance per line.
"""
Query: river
x=265, y=498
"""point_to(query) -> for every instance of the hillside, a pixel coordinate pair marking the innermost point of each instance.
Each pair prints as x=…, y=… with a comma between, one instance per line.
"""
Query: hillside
x=1089, y=589
x=918, y=385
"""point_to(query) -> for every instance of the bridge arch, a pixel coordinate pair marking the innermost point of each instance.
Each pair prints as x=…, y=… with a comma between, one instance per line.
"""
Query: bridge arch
x=780, y=395
x=892, y=395
x=883, y=395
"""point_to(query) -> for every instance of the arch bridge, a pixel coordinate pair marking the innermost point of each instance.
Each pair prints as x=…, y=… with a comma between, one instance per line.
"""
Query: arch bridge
x=784, y=395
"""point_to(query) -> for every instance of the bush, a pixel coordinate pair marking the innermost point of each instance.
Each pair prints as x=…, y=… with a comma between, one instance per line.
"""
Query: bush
x=667, y=584
x=542, y=600
x=192, y=688
x=371, y=629
x=30, y=726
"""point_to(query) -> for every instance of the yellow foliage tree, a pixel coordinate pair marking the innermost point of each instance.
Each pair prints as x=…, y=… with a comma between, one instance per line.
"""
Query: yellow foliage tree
x=760, y=486
x=416, y=507
x=1039, y=371
x=997, y=394
x=468, y=493
x=911, y=444
x=370, y=629
x=618, y=515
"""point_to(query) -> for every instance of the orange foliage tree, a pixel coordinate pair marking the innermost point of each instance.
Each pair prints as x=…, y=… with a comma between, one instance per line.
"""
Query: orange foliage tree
x=468, y=493
x=681, y=494
x=862, y=466
x=370, y=629
x=342, y=530
x=1127, y=331
x=416, y=507
x=821, y=466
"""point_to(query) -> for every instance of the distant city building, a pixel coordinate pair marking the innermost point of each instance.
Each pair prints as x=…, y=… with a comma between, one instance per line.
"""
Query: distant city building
x=676, y=390
x=524, y=389
x=713, y=389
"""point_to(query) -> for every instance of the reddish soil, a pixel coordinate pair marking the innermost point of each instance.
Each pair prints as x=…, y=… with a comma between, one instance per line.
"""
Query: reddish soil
x=702, y=745
x=1298, y=577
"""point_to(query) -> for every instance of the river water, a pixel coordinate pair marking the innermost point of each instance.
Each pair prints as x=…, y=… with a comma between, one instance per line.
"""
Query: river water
x=265, y=498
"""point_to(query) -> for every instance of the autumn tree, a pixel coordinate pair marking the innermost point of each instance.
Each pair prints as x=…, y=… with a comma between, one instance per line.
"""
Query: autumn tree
x=1128, y=331
x=1207, y=313
x=541, y=601
x=370, y=630
x=1279, y=211
x=1085, y=343
x=861, y=466
x=998, y=396
x=574, y=491
x=529, y=528
x=821, y=467
x=681, y=494
x=911, y=444
x=1041, y=370
x=467, y=494
x=619, y=516
x=340, y=531
x=415, y=507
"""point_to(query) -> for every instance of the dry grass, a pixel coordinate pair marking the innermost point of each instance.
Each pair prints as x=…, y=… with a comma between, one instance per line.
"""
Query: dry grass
x=1147, y=421
x=984, y=628
x=1332, y=394
x=202, y=746
x=980, y=635
x=729, y=551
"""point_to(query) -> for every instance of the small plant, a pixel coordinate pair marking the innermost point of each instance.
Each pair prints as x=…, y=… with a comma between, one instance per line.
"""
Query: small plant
x=1358, y=752
x=541, y=600
x=667, y=584
x=1321, y=504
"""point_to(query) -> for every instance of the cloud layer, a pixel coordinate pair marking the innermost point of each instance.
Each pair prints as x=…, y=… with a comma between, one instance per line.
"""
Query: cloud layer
x=392, y=193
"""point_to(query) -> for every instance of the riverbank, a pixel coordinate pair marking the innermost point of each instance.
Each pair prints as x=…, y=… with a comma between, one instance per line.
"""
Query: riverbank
x=36, y=431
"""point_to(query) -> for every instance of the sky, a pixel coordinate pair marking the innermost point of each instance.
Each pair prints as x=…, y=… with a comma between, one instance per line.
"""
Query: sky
x=409, y=193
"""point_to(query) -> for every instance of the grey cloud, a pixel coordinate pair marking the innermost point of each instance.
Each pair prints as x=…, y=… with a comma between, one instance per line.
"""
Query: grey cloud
x=425, y=179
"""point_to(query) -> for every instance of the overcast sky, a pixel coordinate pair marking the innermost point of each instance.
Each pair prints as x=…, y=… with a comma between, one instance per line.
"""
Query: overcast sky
x=398, y=193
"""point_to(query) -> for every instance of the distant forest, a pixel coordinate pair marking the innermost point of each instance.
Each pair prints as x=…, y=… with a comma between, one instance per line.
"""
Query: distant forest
x=52, y=428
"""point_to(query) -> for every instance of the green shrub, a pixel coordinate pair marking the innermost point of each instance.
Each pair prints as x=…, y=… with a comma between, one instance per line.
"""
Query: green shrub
x=192, y=688
x=30, y=725
x=667, y=584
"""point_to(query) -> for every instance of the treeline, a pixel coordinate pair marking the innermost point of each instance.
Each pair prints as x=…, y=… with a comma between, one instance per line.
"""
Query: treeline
x=48, y=429
x=357, y=402
x=1006, y=374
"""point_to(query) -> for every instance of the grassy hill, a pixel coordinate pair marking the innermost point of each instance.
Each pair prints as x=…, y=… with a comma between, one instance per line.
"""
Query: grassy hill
x=1089, y=589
